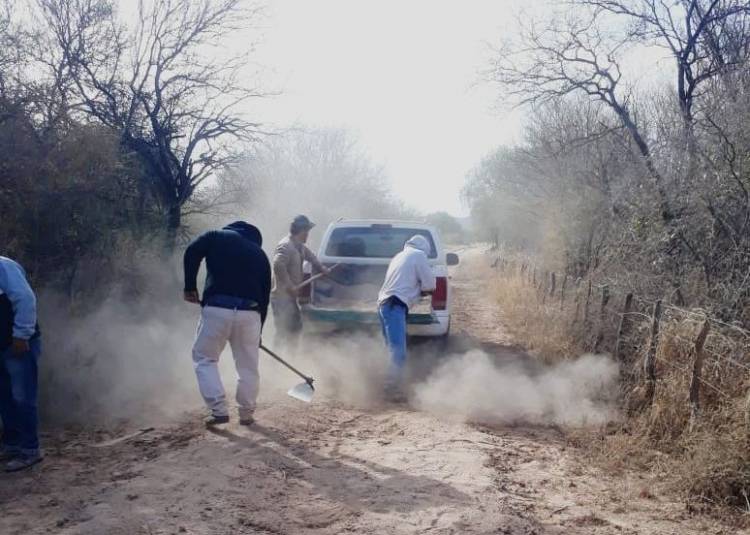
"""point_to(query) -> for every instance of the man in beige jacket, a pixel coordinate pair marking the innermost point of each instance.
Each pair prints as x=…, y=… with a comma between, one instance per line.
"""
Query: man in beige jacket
x=290, y=254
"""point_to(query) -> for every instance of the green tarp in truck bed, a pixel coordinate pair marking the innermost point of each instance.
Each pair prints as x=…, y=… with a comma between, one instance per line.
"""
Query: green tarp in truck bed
x=360, y=317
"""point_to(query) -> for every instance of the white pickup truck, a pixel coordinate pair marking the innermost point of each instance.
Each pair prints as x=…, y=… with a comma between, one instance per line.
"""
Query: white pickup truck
x=362, y=250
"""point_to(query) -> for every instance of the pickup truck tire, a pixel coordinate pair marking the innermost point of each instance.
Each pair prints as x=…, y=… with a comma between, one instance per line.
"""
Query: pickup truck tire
x=447, y=332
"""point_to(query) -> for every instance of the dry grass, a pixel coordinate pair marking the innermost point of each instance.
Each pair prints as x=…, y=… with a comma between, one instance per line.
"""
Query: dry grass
x=541, y=328
x=708, y=463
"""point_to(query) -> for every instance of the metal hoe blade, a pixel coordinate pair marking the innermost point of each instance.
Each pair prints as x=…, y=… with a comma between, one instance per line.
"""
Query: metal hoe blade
x=303, y=392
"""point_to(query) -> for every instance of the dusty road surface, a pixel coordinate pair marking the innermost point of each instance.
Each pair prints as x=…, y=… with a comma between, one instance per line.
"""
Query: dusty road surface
x=334, y=468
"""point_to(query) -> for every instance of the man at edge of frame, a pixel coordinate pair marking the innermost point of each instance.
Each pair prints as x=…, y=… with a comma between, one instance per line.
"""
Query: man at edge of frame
x=20, y=350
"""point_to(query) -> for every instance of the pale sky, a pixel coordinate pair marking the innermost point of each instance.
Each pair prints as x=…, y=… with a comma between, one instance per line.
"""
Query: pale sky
x=402, y=74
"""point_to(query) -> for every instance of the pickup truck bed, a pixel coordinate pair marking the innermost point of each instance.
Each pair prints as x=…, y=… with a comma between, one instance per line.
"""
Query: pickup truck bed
x=361, y=251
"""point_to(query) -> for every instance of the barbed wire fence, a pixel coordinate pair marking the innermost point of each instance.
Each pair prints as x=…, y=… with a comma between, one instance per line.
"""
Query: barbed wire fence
x=648, y=338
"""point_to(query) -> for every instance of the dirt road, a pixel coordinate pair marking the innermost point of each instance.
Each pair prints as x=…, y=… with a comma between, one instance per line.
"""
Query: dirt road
x=333, y=468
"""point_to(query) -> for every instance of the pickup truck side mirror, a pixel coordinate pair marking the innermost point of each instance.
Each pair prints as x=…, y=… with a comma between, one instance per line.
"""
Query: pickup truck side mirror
x=452, y=259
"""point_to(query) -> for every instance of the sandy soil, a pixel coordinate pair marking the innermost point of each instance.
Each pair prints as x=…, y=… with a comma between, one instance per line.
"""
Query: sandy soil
x=332, y=468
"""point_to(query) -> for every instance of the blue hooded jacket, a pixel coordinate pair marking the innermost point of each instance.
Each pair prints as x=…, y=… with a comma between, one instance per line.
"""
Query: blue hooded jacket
x=18, y=317
x=235, y=263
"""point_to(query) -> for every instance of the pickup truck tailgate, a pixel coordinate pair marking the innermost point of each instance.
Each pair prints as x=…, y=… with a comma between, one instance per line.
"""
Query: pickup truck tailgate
x=349, y=298
x=361, y=317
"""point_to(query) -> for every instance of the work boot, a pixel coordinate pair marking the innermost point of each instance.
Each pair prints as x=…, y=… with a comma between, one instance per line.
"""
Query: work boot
x=247, y=421
x=23, y=462
x=217, y=420
x=247, y=417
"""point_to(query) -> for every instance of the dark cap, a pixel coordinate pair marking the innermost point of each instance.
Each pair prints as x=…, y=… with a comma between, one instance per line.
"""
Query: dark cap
x=300, y=223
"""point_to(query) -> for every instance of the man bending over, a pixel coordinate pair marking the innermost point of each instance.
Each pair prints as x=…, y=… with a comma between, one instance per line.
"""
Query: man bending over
x=234, y=308
x=409, y=277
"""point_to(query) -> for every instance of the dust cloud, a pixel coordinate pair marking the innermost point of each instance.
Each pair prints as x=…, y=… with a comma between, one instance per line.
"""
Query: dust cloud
x=133, y=363
x=127, y=358
x=123, y=350
x=473, y=387
x=347, y=368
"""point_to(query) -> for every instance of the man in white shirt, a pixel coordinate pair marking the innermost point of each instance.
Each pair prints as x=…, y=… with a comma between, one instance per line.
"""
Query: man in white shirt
x=409, y=277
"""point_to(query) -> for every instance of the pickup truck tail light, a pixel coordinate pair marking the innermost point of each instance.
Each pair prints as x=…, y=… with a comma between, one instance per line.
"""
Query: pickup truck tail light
x=440, y=296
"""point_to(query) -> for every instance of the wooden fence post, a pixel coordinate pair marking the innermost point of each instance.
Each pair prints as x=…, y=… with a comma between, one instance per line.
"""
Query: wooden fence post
x=695, y=380
x=649, y=363
x=586, y=305
x=553, y=284
x=562, y=291
x=623, y=329
x=577, y=302
x=602, y=318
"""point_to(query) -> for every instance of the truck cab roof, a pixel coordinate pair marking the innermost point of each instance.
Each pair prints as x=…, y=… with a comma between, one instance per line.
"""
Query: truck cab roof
x=396, y=223
x=377, y=240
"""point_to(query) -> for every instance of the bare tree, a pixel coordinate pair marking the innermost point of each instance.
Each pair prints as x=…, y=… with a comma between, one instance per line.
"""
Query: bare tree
x=324, y=173
x=163, y=85
x=12, y=40
x=705, y=38
x=570, y=57
x=580, y=55
x=6, y=43
x=697, y=33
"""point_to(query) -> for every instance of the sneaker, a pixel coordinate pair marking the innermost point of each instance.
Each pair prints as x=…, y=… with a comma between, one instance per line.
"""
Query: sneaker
x=23, y=462
x=217, y=420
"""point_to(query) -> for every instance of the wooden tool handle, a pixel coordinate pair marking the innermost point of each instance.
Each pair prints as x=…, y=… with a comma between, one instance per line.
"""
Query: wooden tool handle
x=313, y=278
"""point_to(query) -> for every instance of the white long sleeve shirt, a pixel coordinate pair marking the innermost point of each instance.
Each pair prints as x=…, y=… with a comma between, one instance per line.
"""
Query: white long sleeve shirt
x=409, y=273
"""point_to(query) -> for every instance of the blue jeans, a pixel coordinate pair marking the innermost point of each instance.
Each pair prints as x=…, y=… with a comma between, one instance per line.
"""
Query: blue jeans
x=393, y=321
x=18, y=399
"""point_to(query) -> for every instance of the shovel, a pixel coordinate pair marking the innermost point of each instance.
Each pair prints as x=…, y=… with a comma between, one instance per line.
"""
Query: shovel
x=303, y=391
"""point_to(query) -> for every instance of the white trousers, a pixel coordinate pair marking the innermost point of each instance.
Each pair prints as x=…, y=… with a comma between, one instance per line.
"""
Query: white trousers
x=241, y=328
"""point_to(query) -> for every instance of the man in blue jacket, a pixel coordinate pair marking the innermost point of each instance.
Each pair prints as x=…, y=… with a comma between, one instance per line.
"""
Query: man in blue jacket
x=20, y=348
x=234, y=308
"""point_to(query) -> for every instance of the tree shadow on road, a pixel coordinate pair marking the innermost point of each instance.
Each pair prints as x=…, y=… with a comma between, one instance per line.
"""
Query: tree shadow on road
x=360, y=484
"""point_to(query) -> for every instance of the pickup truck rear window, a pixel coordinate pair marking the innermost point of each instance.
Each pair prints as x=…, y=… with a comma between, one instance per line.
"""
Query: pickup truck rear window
x=373, y=242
